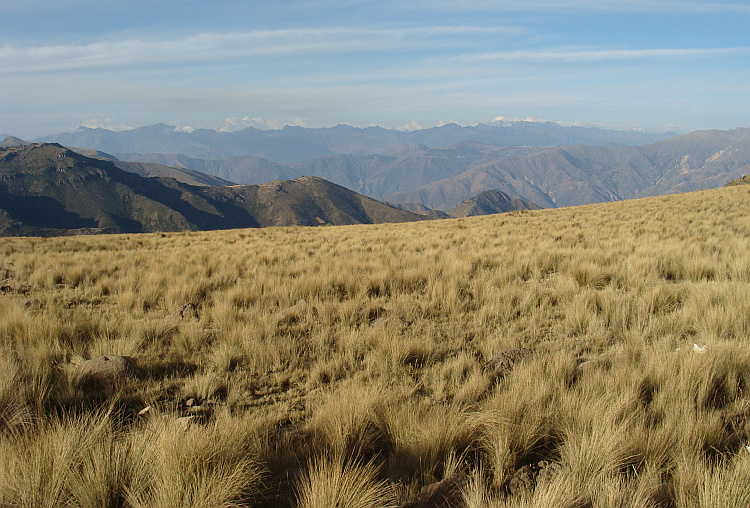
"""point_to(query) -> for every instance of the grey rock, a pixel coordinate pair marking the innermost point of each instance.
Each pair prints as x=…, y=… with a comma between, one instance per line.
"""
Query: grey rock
x=103, y=375
x=503, y=364
x=292, y=314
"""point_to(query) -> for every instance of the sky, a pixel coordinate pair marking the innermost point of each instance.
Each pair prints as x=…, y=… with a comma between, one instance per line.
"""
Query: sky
x=656, y=65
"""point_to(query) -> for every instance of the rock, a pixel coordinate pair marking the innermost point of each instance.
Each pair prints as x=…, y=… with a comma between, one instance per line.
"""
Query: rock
x=185, y=422
x=522, y=481
x=103, y=375
x=292, y=314
x=548, y=470
x=502, y=364
x=202, y=411
x=447, y=493
x=187, y=312
x=525, y=480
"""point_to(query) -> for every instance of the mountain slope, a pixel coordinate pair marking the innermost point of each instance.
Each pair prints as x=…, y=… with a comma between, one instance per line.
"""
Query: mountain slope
x=49, y=189
x=491, y=202
x=150, y=169
x=10, y=141
x=576, y=175
x=245, y=170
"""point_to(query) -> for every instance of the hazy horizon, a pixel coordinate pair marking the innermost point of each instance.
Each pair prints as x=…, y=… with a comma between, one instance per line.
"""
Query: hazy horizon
x=494, y=122
x=656, y=65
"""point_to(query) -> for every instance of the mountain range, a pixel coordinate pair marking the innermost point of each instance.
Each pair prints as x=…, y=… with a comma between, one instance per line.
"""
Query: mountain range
x=47, y=189
x=452, y=179
x=440, y=178
x=296, y=144
x=402, y=169
x=578, y=174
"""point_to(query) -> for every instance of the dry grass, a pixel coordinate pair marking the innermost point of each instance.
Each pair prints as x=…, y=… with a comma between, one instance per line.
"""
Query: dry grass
x=376, y=387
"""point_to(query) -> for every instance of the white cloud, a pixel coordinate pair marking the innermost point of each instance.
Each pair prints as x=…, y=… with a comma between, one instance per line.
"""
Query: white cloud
x=236, y=124
x=693, y=6
x=573, y=55
x=213, y=47
x=105, y=123
x=410, y=126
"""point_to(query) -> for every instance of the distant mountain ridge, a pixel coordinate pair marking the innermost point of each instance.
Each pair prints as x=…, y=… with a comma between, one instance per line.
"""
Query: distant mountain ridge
x=10, y=141
x=578, y=174
x=374, y=175
x=47, y=189
x=296, y=144
x=150, y=169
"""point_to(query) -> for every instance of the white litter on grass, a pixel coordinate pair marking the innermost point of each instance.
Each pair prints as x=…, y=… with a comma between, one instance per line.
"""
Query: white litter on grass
x=747, y=448
x=700, y=349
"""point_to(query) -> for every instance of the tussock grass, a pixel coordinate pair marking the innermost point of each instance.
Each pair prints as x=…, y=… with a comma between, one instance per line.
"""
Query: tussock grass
x=334, y=481
x=377, y=386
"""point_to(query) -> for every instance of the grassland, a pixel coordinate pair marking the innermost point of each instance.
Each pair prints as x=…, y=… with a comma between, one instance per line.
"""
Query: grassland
x=376, y=386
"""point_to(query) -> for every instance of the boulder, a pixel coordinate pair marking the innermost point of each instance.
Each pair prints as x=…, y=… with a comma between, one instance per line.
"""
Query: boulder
x=447, y=493
x=292, y=314
x=522, y=481
x=525, y=480
x=503, y=364
x=103, y=375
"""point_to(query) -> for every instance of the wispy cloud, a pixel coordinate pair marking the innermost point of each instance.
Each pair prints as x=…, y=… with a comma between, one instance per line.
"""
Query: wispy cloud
x=633, y=6
x=598, y=55
x=207, y=47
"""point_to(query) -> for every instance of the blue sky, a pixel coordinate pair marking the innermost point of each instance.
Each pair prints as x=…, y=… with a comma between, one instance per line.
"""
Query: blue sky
x=653, y=64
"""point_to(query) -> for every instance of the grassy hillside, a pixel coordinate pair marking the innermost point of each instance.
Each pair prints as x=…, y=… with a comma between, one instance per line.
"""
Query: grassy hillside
x=633, y=384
